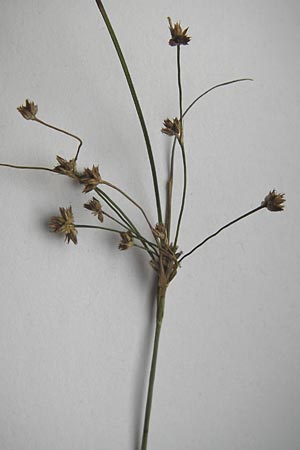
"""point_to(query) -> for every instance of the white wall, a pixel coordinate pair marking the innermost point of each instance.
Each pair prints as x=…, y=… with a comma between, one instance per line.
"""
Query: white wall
x=77, y=321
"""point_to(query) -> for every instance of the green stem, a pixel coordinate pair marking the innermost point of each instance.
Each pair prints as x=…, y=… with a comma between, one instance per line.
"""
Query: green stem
x=179, y=84
x=107, y=183
x=183, y=192
x=27, y=167
x=211, y=89
x=181, y=143
x=98, y=228
x=136, y=104
x=221, y=229
x=61, y=131
x=128, y=223
x=170, y=190
x=120, y=213
x=160, y=313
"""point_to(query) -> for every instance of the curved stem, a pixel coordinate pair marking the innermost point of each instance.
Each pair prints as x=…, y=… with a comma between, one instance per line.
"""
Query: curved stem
x=211, y=89
x=136, y=104
x=120, y=213
x=98, y=228
x=128, y=223
x=221, y=229
x=107, y=183
x=61, y=131
x=27, y=167
x=183, y=192
x=160, y=313
x=170, y=190
x=181, y=143
x=179, y=84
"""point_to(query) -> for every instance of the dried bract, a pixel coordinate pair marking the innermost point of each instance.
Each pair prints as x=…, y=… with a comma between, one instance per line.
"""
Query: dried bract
x=179, y=36
x=126, y=240
x=90, y=178
x=66, y=167
x=172, y=127
x=95, y=207
x=29, y=110
x=274, y=201
x=64, y=224
x=160, y=232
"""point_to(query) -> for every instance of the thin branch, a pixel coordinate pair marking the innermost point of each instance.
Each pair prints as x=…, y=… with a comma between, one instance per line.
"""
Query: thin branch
x=107, y=183
x=211, y=89
x=61, y=131
x=221, y=229
x=13, y=166
x=136, y=104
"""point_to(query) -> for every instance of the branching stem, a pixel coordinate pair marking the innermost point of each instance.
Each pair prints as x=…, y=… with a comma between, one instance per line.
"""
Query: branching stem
x=221, y=229
x=61, y=131
x=136, y=104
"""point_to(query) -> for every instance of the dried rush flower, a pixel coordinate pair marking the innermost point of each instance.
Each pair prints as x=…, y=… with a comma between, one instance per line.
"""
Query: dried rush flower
x=162, y=248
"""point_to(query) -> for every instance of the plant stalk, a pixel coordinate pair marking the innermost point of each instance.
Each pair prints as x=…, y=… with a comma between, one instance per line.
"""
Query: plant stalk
x=136, y=104
x=159, y=318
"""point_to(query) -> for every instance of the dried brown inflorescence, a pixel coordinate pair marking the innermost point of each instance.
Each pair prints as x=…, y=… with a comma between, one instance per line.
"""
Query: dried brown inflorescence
x=126, y=240
x=172, y=127
x=64, y=224
x=95, y=207
x=90, y=178
x=66, y=167
x=179, y=36
x=29, y=110
x=274, y=201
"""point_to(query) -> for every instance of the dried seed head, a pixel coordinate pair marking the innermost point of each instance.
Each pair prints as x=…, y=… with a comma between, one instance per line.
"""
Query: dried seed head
x=126, y=240
x=179, y=36
x=274, y=201
x=172, y=127
x=64, y=224
x=66, y=167
x=95, y=207
x=90, y=178
x=29, y=110
x=160, y=232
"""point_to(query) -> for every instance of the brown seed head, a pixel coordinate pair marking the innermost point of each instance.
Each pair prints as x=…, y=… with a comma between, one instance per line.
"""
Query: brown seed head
x=160, y=232
x=64, y=224
x=179, y=36
x=95, y=207
x=90, y=178
x=66, y=167
x=274, y=201
x=126, y=240
x=172, y=127
x=29, y=110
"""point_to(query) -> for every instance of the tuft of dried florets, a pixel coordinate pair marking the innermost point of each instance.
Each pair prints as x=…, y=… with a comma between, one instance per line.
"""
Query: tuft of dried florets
x=29, y=110
x=172, y=127
x=274, y=201
x=179, y=36
x=95, y=207
x=90, y=178
x=126, y=240
x=160, y=232
x=66, y=167
x=64, y=224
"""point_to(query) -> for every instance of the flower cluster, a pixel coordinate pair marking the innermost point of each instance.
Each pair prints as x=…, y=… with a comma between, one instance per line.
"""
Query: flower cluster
x=172, y=127
x=64, y=224
x=90, y=178
x=29, y=110
x=95, y=207
x=66, y=167
x=179, y=36
x=274, y=201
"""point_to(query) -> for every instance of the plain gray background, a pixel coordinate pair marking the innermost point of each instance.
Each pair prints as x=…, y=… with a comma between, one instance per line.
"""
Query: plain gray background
x=77, y=321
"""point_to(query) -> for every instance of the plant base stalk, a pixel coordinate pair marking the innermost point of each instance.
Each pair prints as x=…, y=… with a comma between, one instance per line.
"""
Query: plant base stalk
x=159, y=318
